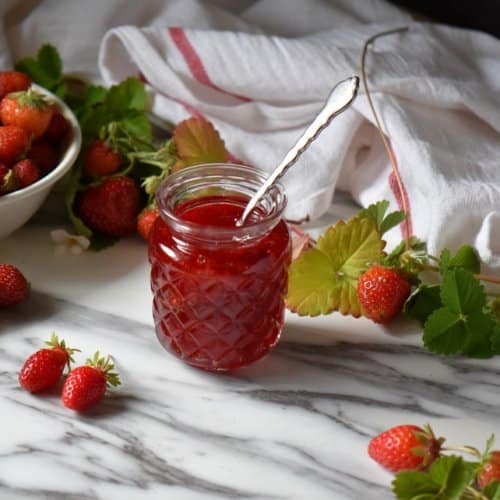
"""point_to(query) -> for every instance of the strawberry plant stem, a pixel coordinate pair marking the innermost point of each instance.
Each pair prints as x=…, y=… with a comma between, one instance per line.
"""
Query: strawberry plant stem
x=387, y=146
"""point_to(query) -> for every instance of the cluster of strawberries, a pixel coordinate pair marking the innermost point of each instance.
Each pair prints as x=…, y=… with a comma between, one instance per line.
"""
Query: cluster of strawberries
x=32, y=132
x=112, y=205
x=409, y=447
x=84, y=386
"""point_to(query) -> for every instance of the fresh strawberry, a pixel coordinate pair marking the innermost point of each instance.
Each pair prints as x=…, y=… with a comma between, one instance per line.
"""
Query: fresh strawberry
x=14, y=287
x=86, y=385
x=111, y=207
x=25, y=172
x=100, y=159
x=13, y=81
x=382, y=291
x=13, y=143
x=44, y=155
x=26, y=109
x=44, y=368
x=57, y=129
x=146, y=220
x=405, y=447
x=490, y=470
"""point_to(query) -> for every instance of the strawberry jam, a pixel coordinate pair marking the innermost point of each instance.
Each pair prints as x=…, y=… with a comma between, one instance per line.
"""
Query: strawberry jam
x=218, y=289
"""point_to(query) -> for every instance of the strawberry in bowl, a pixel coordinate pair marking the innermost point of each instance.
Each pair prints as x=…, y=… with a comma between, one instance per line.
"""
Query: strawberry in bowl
x=40, y=139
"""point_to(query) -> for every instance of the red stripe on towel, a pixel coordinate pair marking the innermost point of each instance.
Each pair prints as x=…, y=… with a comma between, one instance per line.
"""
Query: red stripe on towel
x=407, y=224
x=194, y=62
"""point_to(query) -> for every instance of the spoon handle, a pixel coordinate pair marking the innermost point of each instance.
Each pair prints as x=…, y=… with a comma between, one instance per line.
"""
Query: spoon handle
x=339, y=100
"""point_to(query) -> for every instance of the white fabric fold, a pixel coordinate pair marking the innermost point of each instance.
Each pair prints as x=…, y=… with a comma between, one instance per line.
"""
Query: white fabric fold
x=260, y=77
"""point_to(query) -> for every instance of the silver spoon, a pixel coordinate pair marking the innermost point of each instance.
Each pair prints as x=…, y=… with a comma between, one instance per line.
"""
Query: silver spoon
x=339, y=100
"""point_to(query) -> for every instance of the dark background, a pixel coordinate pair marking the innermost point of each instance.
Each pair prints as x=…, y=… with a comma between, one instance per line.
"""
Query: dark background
x=483, y=15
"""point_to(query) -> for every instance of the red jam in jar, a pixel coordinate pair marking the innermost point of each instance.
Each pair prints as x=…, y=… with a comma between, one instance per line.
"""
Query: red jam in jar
x=218, y=288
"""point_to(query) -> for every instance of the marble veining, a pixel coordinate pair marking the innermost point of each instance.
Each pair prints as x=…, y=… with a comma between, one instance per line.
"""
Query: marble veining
x=293, y=426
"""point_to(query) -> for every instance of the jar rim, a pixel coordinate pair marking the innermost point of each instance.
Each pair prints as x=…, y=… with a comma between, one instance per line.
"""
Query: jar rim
x=247, y=178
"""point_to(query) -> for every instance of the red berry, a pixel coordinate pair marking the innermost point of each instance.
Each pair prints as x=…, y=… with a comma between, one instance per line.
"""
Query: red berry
x=26, y=172
x=490, y=471
x=57, y=129
x=86, y=385
x=44, y=368
x=101, y=160
x=13, y=143
x=382, y=293
x=44, y=155
x=28, y=110
x=13, y=81
x=14, y=287
x=146, y=220
x=405, y=447
x=111, y=207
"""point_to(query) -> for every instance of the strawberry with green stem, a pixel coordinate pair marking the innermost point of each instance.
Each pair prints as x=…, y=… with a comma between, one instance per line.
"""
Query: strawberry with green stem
x=43, y=369
x=13, y=81
x=28, y=109
x=86, y=385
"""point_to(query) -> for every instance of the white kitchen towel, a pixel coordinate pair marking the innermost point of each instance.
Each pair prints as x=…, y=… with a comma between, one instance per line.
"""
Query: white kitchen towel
x=261, y=76
x=434, y=87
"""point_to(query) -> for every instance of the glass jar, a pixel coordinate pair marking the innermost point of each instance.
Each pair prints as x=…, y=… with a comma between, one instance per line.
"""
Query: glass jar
x=218, y=289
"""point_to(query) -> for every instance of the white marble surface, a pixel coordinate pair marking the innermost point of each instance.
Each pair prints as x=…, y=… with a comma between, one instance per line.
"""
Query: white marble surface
x=293, y=426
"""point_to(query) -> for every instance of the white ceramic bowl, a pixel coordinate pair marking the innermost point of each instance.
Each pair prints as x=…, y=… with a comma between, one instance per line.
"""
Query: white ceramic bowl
x=18, y=207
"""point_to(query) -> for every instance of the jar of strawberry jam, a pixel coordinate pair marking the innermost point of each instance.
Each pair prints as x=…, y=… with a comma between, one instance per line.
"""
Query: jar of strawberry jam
x=218, y=288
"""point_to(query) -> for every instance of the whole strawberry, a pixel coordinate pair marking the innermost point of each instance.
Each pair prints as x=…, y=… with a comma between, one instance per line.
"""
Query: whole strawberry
x=13, y=81
x=26, y=109
x=100, y=159
x=111, y=207
x=44, y=155
x=25, y=172
x=382, y=292
x=57, y=129
x=86, y=385
x=145, y=221
x=43, y=369
x=14, y=142
x=14, y=287
x=490, y=470
x=405, y=447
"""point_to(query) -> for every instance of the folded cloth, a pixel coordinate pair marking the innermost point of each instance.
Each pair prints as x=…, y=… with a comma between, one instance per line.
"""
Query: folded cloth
x=260, y=77
x=434, y=88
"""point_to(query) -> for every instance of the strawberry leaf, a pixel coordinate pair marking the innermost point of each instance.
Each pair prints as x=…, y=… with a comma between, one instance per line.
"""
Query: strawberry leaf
x=324, y=279
x=376, y=213
x=466, y=258
x=461, y=292
x=423, y=301
x=447, y=479
x=198, y=142
x=492, y=491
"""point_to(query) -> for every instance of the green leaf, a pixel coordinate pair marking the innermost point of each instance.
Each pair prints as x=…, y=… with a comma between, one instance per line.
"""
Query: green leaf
x=129, y=94
x=495, y=337
x=423, y=301
x=409, y=485
x=461, y=292
x=376, y=213
x=444, y=332
x=49, y=59
x=492, y=491
x=479, y=339
x=392, y=220
x=137, y=125
x=453, y=474
x=198, y=142
x=447, y=479
x=324, y=278
x=311, y=284
x=45, y=69
x=466, y=258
